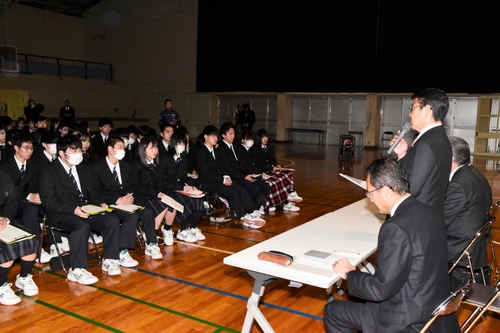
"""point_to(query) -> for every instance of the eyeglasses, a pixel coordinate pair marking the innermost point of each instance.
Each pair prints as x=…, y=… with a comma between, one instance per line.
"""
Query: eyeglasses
x=28, y=148
x=369, y=193
x=415, y=106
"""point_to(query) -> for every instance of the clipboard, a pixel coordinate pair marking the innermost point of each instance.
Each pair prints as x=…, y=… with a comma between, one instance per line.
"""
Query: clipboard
x=12, y=234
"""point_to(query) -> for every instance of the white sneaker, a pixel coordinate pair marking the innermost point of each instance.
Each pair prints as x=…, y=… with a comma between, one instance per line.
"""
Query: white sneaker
x=27, y=285
x=259, y=212
x=197, y=234
x=126, y=260
x=153, y=251
x=168, y=236
x=186, y=236
x=64, y=244
x=272, y=209
x=253, y=218
x=53, y=251
x=112, y=266
x=251, y=225
x=82, y=276
x=44, y=257
x=7, y=296
x=97, y=238
x=290, y=207
x=294, y=197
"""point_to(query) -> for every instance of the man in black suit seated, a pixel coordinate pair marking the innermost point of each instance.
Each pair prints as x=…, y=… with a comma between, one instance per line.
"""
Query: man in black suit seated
x=133, y=144
x=67, y=113
x=98, y=141
x=6, y=150
x=123, y=134
x=26, y=174
x=111, y=183
x=468, y=198
x=411, y=276
x=48, y=151
x=166, y=131
x=64, y=189
x=428, y=160
x=41, y=127
x=256, y=187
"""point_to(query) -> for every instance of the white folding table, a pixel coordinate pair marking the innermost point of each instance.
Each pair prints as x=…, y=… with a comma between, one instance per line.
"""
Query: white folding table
x=353, y=228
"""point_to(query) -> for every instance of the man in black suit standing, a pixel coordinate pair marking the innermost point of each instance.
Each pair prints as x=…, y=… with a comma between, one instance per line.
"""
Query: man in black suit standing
x=468, y=198
x=111, y=183
x=33, y=110
x=428, y=161
x=411, y=277
x=67, y=113
x=64, y=189
x=98, y=141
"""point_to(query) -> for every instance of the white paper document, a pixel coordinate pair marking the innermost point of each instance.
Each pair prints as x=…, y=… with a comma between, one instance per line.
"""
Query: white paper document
x=359, y=182
x=172, y=203
x=13, y=234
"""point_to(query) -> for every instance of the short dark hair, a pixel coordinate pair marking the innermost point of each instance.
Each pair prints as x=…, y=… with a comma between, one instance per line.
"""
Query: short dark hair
x=119, y=132
x=19, y=139
x=6, y=120
x=132, y=129
x=112, y=141
x=245, y=135
x=144, y=130
x=176, y=138
x=164, y=126
x=387, y=172
x=167, y=100
x=460, y=150
x=40, y=118
x=436, y=98
x=68, y=141
x=224, y=128
x=4, y=128
x=49, y=137
x=209, y=130
x=105, y=121
x=141, y=151
x=66, y=101
x=84, y=126
x=62, y=124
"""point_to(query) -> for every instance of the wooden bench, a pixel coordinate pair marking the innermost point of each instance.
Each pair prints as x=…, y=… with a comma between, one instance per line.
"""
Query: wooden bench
x=321, y=133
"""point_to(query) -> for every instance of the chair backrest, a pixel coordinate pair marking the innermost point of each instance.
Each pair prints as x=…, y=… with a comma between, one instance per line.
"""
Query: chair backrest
x=483, y=232
x=449, y=305
x=489, y=211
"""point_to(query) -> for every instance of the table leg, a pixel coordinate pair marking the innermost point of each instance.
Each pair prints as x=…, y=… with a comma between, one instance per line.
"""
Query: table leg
x=253, y=311
x=366, y=267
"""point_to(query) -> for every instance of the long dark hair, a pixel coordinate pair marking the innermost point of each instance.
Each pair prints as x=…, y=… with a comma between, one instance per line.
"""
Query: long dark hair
x=145, y=141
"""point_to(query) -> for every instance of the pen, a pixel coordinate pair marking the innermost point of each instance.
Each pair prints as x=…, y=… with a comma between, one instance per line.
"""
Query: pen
x=347, y=253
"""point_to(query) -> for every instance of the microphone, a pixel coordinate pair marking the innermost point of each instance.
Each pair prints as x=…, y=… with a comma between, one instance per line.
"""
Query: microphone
x=406, y=129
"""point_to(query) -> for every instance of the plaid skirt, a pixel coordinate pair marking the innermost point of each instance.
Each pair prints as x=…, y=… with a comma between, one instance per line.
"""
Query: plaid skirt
x=19, y=249
x=156, y=205
x=281, y=183
x=190, y=205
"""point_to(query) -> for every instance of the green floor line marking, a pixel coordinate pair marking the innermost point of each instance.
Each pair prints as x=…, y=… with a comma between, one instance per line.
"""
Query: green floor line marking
x=72, y=314
x=159, y=307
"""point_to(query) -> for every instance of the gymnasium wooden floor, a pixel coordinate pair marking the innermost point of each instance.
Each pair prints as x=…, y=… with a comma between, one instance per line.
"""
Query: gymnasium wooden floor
x=191, y=290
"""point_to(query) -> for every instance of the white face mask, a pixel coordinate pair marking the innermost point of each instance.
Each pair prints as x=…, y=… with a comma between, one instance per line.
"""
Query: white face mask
x=120, y=154
x=75, y=159
x=180, y=149
x=131, y=141
x=249, y=143
x=52, y=148
x=126, y=142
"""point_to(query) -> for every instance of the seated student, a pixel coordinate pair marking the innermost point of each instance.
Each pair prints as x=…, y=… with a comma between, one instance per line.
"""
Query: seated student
x=41, y=127
x=105, y=126
x=6, y=150
x=148, y=187
x=244, y=176
x=111, y=183
x=54, y=124
x=281, y=182
x=20, y=122
x=174, y=176
x=133, y=144
x=26, y=175
x=145, y=130
x=123, y=134
x=25, y=250
x=89, y=157
x=467, y=199
x=166, y=131
x=30, y=126
x=63, y=128
x=216, y=179
x=65, y=188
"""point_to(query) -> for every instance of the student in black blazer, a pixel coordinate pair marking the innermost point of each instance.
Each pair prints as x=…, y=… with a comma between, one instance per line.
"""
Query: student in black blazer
x=105, y=127
x=26, y=174
x=64, y=189
x=149, y=187
x=215, y=178
x=25, y=250
x=468, y=197
x=67, y=112
x=111, y=183
x=174, y=176
x=264, y=155
x=166, y=132
x=428, y=160
x=245, y=177
x=411, y=277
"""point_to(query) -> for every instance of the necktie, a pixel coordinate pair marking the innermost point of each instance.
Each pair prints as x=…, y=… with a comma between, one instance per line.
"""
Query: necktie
x=67, y=109
x=105, y=138
x=115, y=176
x=152, y=171
x=231, y=147
x=213, y=153
x=54, y=157
x=21, y=171
x=70, y=174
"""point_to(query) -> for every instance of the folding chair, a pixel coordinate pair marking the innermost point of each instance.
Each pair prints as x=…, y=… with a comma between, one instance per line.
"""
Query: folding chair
x=448, y=306
x=480, y=234
x=214, y=200
x=483, y=298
